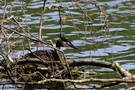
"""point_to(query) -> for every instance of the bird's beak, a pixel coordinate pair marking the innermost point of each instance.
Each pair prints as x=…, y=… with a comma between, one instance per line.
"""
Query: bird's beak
x=71, y=45
x=67, y=43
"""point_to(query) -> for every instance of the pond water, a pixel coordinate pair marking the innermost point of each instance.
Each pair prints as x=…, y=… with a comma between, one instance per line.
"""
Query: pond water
x=110, y=41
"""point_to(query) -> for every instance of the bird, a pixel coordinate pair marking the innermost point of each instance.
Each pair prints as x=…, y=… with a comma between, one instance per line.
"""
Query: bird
x=51, y=54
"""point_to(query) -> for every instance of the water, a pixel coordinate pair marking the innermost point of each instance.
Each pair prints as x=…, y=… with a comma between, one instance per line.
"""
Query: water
x=89, y=34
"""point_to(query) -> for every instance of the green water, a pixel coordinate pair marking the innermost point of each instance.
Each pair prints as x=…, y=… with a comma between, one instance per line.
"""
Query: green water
x=86, y=28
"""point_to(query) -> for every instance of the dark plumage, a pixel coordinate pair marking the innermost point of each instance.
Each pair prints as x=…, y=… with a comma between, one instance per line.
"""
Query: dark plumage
x=51, y=54
x=67, y=42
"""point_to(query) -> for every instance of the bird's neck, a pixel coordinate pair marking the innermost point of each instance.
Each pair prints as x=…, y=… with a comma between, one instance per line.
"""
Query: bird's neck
x=57, y=47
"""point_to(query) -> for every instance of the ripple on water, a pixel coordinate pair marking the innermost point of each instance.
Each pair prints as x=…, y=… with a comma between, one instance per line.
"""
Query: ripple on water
x=1, y=11
x=53, y=26
x=73, y=12
x=104, y=51
x=112, y=3
x=35, y=4
x=117, y=48
x=124, y=12
x=111, y=10
x=128, y=66
x=116, y=29
x=99, y=52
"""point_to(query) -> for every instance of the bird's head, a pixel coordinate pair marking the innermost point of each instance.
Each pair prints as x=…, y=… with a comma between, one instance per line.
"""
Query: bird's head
x=63, y=42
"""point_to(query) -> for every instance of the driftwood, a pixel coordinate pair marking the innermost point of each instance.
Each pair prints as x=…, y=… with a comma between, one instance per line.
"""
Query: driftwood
x=115, y=66
x=126, y=76
x=37, y=72
x=72, y=63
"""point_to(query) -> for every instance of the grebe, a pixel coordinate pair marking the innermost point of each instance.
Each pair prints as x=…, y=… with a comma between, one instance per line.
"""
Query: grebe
x=51, y=54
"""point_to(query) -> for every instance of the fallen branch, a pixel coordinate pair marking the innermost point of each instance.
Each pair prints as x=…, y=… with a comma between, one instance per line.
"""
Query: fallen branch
x=75, y=81
x=115, y=66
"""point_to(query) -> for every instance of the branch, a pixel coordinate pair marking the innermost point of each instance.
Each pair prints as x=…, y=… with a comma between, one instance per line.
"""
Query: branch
x=78, y=81
x=115, y=66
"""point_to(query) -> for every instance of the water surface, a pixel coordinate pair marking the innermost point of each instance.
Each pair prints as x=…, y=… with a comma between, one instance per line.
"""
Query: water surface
x=116, y=43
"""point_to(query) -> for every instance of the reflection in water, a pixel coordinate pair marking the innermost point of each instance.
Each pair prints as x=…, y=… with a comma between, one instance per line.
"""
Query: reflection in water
x=116, y=45
x=93, y=37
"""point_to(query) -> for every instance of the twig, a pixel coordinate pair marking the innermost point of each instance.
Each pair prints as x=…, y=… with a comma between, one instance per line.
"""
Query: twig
x=41, y=19
x=31, y=37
